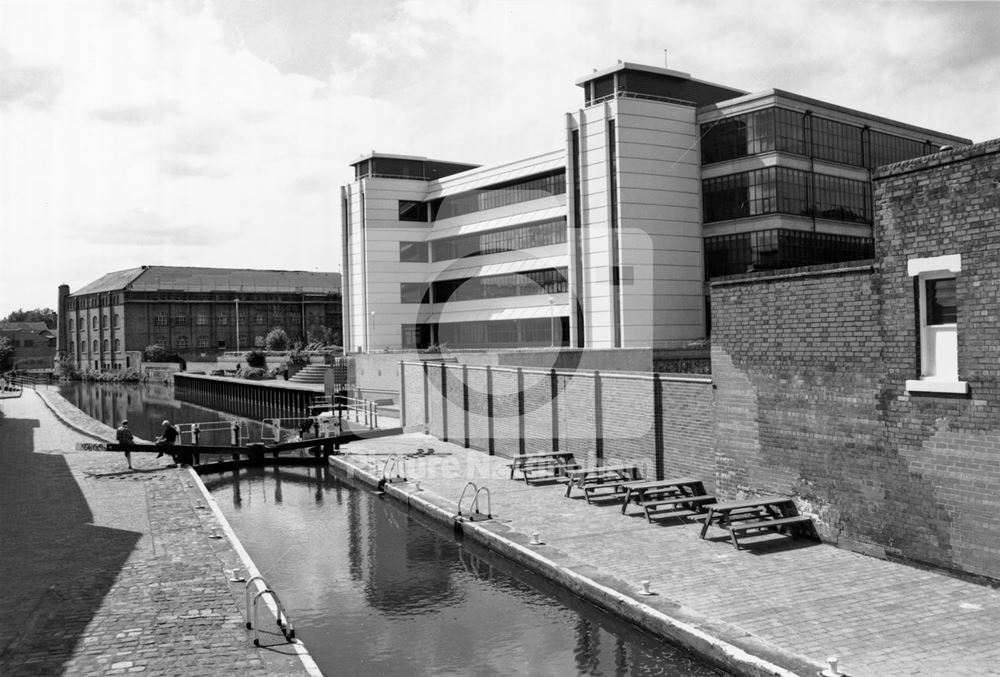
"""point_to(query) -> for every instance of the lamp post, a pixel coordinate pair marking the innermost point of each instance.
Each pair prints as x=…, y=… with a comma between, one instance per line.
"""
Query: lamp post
x=237, y=324
x=552, y=322
x=371, y=345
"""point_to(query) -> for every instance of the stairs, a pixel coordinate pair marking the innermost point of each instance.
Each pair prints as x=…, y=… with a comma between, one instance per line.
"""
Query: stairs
x=311, y=373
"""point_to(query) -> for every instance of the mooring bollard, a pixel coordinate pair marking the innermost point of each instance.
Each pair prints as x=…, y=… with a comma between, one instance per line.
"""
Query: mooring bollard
x=235, y=437
x=195, y=432
x=832, y=671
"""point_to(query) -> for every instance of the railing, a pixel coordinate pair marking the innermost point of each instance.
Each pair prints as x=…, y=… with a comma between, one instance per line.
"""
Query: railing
x=285, y=429
x=280, y=615
x=474, y=506
x=237, y=432
x=365, y=411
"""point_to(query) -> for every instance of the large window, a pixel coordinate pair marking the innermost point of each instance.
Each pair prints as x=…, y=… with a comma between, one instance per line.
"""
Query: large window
x=412, y=210
x=780, y=248
x=528, y=283
x=804, y=134
x=413, y=252
x=525, y=236
x=413, y=292
x=500, y=195
x=937, y=297
x=775, y=190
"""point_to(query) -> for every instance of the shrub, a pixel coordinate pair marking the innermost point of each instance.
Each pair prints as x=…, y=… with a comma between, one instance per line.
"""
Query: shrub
x=256, y=359
x=277, y=339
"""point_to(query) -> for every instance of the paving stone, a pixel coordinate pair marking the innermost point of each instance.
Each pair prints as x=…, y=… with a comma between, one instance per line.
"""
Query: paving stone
x=110, y=571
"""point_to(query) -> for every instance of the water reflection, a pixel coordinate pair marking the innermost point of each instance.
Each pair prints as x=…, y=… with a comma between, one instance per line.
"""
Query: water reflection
x=373, y=589
x=145, y=406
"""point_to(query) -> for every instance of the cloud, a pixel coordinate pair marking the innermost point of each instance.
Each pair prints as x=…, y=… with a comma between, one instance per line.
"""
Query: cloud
x=145, y=228
x=138, y=115
x=32, y=86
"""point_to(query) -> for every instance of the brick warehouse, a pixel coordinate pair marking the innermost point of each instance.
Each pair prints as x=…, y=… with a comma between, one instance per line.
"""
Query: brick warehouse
x=871, y=391
x=866, y=390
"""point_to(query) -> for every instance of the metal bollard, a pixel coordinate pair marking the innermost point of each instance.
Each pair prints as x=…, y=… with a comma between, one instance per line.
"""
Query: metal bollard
x=195, y=432
x=235, y=438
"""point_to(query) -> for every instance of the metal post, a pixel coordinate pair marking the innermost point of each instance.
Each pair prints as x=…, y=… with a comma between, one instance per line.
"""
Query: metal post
x=195, y=432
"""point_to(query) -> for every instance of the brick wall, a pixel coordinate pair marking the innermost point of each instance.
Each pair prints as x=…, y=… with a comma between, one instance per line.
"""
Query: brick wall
x=811, y=368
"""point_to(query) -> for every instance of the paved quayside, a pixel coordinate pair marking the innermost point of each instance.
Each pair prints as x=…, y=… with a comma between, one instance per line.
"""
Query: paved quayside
x=107, y=571
x=788, y=605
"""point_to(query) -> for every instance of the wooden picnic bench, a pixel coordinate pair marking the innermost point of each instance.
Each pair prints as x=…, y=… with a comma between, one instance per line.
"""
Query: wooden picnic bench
x=600, y=475
x=769, y=513
x=553, y=464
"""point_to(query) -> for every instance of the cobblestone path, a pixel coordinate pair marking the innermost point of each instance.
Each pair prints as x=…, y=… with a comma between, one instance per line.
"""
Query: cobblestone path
x=107, y=571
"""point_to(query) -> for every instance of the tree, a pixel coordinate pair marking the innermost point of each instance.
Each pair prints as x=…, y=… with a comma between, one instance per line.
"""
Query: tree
x=154, y=353
x=277, y=339
x=46, y=315
x=6, y=352
x=256, y=359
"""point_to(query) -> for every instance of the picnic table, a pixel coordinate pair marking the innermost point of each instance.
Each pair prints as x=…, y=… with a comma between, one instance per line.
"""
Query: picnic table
x=600, y=475
x=775, y=513
x=553, y=463
x=686, y=492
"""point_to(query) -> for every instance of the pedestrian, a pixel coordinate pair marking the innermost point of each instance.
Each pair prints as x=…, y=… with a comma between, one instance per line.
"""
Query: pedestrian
x=125, y=438
x=167, y=438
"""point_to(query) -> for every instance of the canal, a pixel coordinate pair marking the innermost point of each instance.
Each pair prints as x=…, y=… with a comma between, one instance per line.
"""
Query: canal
x=373, y=589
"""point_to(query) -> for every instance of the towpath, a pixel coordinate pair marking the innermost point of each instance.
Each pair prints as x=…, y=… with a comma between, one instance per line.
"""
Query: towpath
x=106, y=571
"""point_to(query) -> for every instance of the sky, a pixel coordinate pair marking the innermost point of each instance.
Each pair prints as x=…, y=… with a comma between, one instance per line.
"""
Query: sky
x=218, y=132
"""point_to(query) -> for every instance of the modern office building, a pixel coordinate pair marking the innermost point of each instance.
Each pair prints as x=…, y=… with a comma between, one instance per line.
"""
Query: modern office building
x=661, y=182
x=196, y=313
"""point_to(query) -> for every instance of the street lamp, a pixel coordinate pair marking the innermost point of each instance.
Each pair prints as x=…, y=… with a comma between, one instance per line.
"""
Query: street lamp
x=552, y=322
x=237, y=324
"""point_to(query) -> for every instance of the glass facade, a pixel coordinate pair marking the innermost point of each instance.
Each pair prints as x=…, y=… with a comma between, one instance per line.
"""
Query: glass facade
x=522, y=190
x=779, y=190
x=780, y=248
x=529, y=283
x=525, y=236
x=539, y=331
x=804, y=134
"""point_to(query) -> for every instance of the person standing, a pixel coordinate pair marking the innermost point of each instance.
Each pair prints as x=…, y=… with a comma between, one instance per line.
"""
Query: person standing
x=125, y=438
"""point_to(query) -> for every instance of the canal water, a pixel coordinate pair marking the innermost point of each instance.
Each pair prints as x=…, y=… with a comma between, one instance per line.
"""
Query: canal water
x=372, y=589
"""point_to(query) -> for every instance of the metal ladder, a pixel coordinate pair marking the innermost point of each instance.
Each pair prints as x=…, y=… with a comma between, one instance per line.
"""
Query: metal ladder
x=280, y=615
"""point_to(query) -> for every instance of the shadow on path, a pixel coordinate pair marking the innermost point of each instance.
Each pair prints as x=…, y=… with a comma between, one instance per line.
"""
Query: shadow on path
x=55, y=566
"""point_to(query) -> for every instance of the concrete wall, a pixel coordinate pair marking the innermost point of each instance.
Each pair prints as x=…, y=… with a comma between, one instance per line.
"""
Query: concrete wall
x=661, y=423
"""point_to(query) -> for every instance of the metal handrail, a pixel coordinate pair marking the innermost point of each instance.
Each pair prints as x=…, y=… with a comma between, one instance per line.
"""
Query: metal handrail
x=474, y=505
x=280, y=615
x=475, y=491
x=396, y=462
x=489, y=503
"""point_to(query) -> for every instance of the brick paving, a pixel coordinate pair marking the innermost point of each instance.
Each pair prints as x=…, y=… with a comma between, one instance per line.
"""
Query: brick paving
x=791, y=601
x=108, y=571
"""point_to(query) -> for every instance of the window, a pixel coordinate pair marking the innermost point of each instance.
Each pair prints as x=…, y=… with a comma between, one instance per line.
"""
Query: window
x=180, y=319
x=118, y=344
x=202, y=341
x=259, y=318
x=83, y=346
x=104, y=321
x=95, y=343
x=202, y=318
x=117, y=320
x=29, y=343
x=71, y=324
x=413, y=292
x=106, y=345
x=413, y=252
x=411, y=210
x=93, y=322
x=161, y=320
x=182, y=342
x=221, y=319
x=937, y=296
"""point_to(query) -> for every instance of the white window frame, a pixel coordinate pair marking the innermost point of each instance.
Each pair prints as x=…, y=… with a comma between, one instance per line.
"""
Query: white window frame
x=938, y=343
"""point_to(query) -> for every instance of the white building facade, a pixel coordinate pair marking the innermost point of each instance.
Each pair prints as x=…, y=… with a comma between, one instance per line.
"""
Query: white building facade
x=662, y=182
